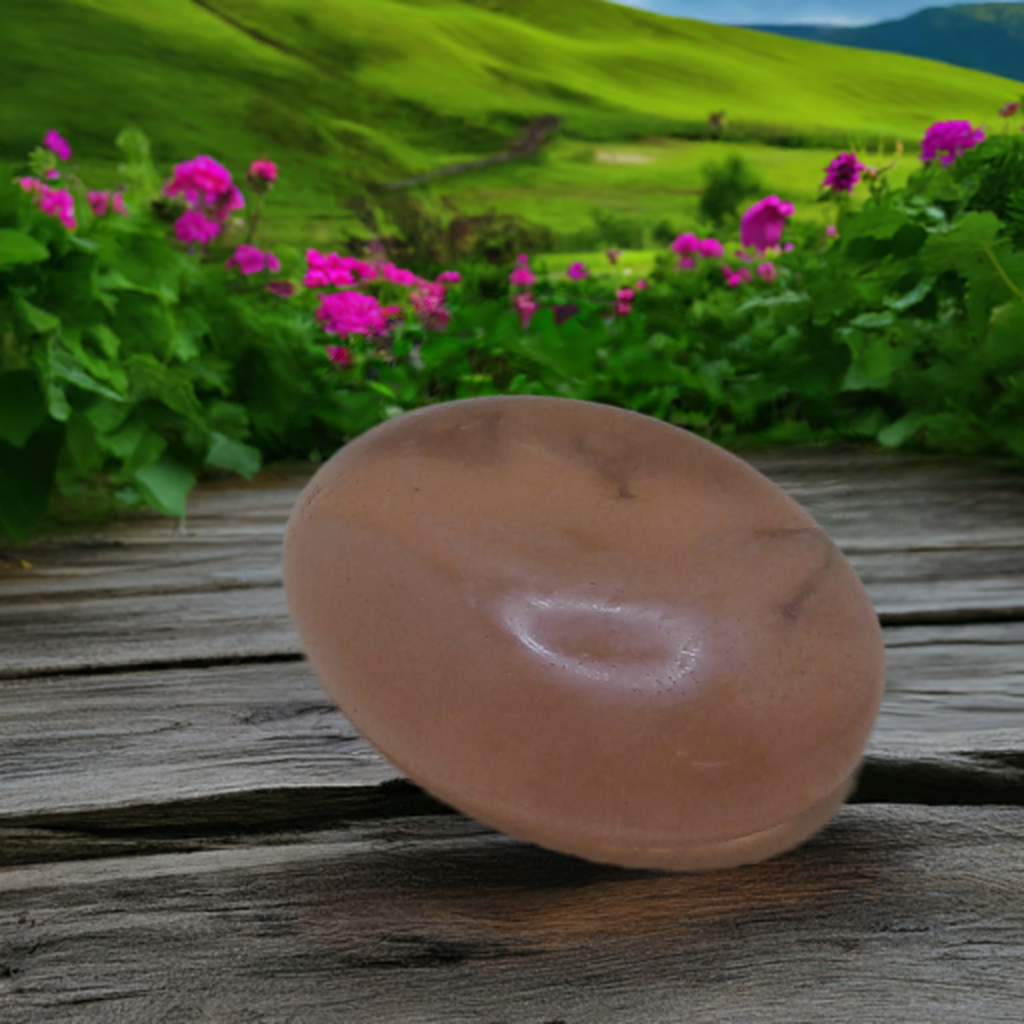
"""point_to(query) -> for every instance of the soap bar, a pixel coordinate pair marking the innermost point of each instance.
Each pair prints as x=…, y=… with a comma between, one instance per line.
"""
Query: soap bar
x=589, y=629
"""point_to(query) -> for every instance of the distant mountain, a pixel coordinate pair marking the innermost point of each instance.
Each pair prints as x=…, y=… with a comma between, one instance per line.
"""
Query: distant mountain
x=985, y=37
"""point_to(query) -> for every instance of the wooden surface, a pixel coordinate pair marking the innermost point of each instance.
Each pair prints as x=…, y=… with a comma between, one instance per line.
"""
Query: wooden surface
x=190, y=831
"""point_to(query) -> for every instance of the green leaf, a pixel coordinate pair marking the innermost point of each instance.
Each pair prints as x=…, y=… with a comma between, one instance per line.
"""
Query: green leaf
x=914, y=296
x=38, y=319
x=16, y=248
x=234, y=456
x=902, y=430
x=165, y=486
x=875, y=360
x=26, y=480
x=868, y=320
x=22, y=407
x=64, y=367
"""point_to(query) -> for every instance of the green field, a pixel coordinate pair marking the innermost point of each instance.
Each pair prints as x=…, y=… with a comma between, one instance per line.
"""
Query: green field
x=343, y=93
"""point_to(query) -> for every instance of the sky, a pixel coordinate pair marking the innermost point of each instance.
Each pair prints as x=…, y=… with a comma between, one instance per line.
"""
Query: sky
x=790, y=12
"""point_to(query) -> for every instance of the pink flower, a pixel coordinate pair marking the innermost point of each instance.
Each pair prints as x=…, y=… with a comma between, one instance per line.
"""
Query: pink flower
x=741, y=254
x=286, y=289
x=761, y=226
x=950, y=138
x=200, y=180
x=251, y=260
x=56, y=144
x=685, y=245
x=710, y=247
x=522, y=259
x=1009, y=109
x=525, y=307
x=767, y=271
x=522, y=276
x=429, y=305
x=625, y=295
x=843, y=173
x=262, y=172
x=226, y=202
x=449, y=276
x=578, y=271
x=192, y=226
x=338, y=354
x=345, y=313
x=687, y=263
x=788, y=246
x=613, y=255
x=623, y=308
x=640, y=285
x=831, y=231
x=54, y=202
x=52, y=174
x=396, y=275
x=119, y=206
x=99, y=201
x=336, y=270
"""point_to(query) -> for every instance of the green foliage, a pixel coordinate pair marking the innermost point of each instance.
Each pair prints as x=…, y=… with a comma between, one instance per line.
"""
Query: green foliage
x=130, y=367
x=726, y=186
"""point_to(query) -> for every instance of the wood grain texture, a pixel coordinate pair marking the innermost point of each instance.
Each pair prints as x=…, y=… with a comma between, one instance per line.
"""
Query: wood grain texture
x=909, y=914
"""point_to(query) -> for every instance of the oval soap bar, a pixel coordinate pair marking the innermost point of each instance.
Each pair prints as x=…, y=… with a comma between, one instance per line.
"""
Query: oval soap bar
x=589, y=629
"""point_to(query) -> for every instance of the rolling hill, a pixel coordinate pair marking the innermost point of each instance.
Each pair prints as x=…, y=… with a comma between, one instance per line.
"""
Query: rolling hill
x=984, y=37
x=346, y=92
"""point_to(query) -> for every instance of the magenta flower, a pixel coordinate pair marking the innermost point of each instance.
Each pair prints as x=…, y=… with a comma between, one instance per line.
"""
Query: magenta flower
x=192, y=226
x=710, y=247
x=54, y=202
x=449, y=277
x=950, y=139
x=99, y=201
x=56, y=144
x=285, y=289
x=685, y=245
x=761, y=226
x=687, y=263
x=251, y=260
x=843, y=173
x=578, y=271
x=767, y=271
x=429, y=305
x=345, y=313
x=262, y=172
x=336, y=270
x=52, y=174
x=525, y=307
x=1009, y=109
x=742, y=255
x=119, y=206
x=522, y=275
x=396, y=275
x=226, y=202
x=734, y=279
x=625, y=295
x=640, y=285
x=338, y=354
x=200, y=180
x=788, y=246
x=831, y=231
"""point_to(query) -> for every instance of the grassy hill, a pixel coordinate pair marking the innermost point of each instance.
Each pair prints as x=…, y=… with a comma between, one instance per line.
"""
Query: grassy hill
x=985, y=37
x=345, y=92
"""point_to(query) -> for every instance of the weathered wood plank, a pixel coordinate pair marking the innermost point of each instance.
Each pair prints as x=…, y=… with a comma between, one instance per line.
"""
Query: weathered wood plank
x=952, y=723
x=905, y=913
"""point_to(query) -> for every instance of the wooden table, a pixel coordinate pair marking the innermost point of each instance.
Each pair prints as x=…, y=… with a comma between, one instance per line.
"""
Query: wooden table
x=189, y=830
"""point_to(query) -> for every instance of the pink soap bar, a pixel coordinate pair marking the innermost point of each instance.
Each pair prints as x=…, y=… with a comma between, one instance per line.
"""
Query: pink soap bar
x=589, y=629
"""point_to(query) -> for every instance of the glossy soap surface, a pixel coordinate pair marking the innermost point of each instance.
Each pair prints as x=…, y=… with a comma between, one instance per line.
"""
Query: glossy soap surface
x=589, y=629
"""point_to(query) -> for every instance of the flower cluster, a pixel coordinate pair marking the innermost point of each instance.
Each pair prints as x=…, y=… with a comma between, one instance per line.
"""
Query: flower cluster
x=250, y=260
x=843, y=173
x=56, y=144
x=262, y=173
x=522, y=276
x=211, y=195
x=689, y=248
x=949, y=139
x=578, y=271
x=761, y=226
x=345, y=313
x=54, y=202
x=102, y=201
x=337, y=271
